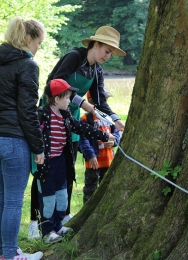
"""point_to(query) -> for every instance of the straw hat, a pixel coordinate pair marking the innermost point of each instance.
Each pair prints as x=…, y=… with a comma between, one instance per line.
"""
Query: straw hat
x=107, y=35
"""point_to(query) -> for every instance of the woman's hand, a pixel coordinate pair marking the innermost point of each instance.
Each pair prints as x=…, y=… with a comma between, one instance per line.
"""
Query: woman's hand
x=39, y=159
x=88, y=107
x=119, y=125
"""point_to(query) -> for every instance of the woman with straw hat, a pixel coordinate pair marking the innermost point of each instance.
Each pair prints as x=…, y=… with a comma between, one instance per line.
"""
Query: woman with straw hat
x=81, y=68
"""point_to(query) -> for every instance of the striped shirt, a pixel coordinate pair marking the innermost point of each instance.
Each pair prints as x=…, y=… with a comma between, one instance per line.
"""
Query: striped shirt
x=57, y=135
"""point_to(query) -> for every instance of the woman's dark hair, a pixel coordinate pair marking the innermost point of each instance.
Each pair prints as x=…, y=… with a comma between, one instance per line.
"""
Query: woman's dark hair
x=91, y=44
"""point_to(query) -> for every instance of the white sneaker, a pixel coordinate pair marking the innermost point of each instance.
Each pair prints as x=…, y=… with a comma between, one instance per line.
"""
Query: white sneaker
x=64, y=230
x=33, y=231
x=22, y=256
x=66, y=219
x=51, y=238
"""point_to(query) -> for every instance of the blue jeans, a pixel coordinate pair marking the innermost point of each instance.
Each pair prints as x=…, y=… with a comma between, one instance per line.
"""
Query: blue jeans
x=14, y=174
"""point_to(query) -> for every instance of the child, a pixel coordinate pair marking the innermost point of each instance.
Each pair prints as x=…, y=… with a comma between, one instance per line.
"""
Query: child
x=56, y=125
x=98, y=155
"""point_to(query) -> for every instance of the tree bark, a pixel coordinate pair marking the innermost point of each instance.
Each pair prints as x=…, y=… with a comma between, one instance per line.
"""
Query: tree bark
x=129, y=217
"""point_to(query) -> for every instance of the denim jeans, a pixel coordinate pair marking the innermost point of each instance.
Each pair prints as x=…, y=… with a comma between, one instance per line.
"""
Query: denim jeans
x=14, y=174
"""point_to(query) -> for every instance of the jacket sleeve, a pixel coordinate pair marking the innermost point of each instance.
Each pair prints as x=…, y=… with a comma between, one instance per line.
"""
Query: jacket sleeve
x=84, y=129
x=27, y=105
x=85, y=145
x=116, y=134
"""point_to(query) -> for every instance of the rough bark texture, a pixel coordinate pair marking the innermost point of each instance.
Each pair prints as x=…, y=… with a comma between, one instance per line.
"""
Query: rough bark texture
x=129, y=217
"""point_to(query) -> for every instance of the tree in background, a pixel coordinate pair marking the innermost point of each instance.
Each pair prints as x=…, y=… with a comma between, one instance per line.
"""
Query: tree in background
x=128, y=17
x=44, y=11
x=131, y=19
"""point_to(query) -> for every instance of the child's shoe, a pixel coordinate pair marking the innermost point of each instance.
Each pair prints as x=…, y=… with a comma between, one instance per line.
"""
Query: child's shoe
x=66, y=219
x=33, y=231
x=22, y=256
x=51, y=238
x=64, y=230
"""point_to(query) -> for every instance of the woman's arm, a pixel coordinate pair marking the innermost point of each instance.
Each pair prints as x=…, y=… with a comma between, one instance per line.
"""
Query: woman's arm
x=27, y=105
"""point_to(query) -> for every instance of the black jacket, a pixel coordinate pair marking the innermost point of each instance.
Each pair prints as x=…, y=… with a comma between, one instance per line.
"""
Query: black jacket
x=19, y=96
x=76, y=60
x=71, y=124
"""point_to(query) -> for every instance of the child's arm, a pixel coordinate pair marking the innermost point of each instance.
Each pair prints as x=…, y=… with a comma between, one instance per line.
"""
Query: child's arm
x=82, y=128
x=86, y=148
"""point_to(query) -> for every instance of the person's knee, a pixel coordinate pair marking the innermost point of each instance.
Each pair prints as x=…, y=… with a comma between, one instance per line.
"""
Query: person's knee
x=49, y=206
x=61, y=200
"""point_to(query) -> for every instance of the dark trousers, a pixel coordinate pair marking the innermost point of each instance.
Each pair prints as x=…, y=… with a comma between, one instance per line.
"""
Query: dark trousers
x=70, y=180
x=34, y=200
x=53, y=196
x=34, y=191
x=92, y=179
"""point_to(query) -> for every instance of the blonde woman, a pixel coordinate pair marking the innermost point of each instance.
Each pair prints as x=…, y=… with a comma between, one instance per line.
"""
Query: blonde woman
x=19, y=128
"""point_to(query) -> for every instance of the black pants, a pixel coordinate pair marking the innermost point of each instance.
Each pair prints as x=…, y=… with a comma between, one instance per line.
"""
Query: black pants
x=34, y=191
x=34, y=200
x=93, y=178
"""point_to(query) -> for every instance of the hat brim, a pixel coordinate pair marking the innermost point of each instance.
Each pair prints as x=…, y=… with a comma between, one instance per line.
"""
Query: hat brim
x=73, y=89
x=118, y=51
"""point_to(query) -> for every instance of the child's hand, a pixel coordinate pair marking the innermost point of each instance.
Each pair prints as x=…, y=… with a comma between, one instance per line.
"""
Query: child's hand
x=111, y=137
x=93, y=162
x=39, y=159
x=108, y=144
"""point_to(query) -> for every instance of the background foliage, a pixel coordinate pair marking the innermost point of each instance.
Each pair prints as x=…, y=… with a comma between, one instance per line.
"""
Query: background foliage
x=67, y=22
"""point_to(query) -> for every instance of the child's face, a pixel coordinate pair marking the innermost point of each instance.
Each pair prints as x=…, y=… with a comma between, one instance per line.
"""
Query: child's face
x=62, y=103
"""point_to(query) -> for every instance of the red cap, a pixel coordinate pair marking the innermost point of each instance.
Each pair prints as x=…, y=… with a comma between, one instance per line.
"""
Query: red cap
x=58, y=86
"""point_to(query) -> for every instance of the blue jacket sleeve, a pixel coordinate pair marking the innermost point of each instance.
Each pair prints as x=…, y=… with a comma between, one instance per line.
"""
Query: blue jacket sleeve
x=86, y=148
x=116, y=134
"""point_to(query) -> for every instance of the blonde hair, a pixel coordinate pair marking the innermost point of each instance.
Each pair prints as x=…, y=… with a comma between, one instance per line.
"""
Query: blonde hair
x=18, y=30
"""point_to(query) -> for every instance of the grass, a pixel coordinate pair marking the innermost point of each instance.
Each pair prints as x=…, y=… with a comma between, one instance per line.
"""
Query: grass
x=121, y=90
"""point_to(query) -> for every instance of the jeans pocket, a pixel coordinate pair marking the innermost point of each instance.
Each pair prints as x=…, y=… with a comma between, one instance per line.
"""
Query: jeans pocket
x=6, y=146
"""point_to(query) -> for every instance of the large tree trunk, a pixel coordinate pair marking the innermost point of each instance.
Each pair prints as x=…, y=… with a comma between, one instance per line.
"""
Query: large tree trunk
x=129, y=217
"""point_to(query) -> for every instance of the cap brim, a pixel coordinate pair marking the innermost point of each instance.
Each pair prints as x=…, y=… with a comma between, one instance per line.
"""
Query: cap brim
x=118, y=51
x=73, y=89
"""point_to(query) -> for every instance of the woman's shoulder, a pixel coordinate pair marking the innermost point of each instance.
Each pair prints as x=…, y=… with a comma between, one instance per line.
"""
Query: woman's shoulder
x=79, y=51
